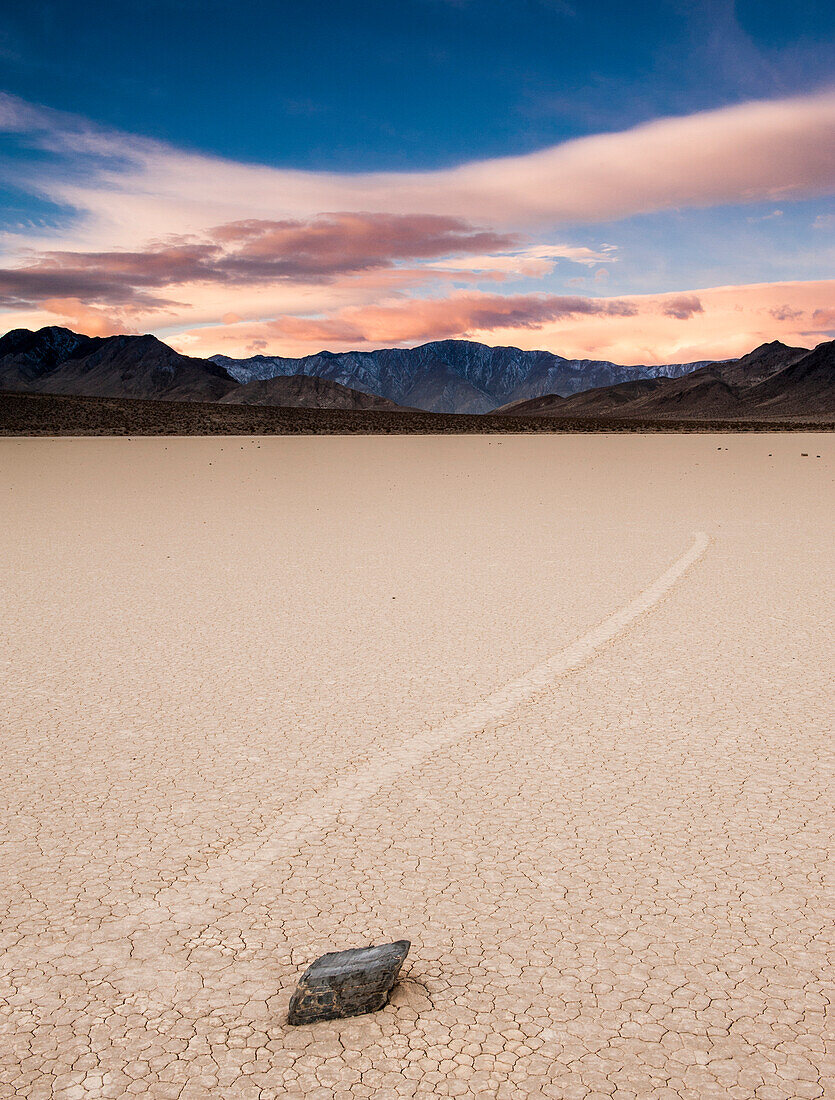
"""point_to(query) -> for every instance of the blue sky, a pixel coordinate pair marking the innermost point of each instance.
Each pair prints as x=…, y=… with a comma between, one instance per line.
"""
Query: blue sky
x=421, y=83
x=111, y=98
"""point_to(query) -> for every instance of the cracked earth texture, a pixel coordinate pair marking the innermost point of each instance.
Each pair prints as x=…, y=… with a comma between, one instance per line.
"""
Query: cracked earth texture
x=250, y=714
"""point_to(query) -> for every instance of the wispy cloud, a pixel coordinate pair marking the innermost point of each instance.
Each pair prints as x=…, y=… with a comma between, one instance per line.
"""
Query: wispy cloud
x=255, y=242
x=785, y=313
x=133, y=190
x=766, y=217
x=716, y=322
x=460, y=314
x=533, y=261
x=252, y=252
x=682, y=306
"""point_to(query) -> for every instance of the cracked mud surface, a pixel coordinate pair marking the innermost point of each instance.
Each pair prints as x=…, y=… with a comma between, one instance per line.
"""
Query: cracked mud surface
x=246, y=721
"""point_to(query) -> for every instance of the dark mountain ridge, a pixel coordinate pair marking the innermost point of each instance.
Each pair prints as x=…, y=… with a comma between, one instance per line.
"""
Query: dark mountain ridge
x=57, y=360
x=302, y=392
x=452, y=375
x=805, y=385
x=772, y=381
x=26, y=356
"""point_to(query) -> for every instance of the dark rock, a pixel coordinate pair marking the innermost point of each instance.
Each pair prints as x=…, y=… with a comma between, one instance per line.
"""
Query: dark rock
x=347, y=983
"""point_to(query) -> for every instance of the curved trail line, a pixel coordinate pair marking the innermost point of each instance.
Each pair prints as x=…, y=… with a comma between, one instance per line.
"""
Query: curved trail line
x=342, y=800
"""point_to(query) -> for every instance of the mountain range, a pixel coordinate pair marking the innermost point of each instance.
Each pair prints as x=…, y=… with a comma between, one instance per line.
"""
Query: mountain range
x=458, y=376
x=771, y=382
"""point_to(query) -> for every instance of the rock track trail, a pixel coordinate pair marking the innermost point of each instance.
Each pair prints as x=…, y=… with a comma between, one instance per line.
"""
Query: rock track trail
x=615, y=870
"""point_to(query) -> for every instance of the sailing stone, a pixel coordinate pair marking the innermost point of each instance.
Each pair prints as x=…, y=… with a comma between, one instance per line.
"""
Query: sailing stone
x=347, y=983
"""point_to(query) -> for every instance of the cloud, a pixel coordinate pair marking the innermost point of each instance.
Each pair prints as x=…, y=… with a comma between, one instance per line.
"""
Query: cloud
x=824, y=318
x=335, y=244
x=766, y=217
x=97, y=278
x=460, y=314
x=82, y=317
x=245, y=253
x=532, y=261
x=682, y=306
x=250, y=241
x=824, y=221
x=785, y=313
x=632, y=329
x=127, y=189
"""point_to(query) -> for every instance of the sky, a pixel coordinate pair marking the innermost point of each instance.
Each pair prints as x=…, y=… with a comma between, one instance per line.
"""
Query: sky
x=644, y=182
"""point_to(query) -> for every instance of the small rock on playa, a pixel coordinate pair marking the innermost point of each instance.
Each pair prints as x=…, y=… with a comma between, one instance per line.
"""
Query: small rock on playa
x=347, y=983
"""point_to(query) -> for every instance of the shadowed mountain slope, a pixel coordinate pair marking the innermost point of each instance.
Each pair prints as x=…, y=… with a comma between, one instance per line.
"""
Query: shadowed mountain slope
x=299, y=391
x=805, y=387
x=26, y=356
x=56, y=360
x=705, y=395
x=551, y=404
x=758, y=364
x=452, y=375
x=773, y=380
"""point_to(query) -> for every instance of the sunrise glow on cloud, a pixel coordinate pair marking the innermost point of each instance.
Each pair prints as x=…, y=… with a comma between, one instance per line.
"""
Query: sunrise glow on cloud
x=555, y=247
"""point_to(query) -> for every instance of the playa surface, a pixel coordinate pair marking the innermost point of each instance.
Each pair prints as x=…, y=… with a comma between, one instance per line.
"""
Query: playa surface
x=555, y=708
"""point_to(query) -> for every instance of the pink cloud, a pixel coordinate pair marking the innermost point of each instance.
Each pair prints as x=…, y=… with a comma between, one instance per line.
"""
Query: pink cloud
x=633, y=329
x=460, y=314
x=245, y=253
x=339, y=279
x=785, y=313
x=682, y=306
x=85, y=318
x=147, y=189
x=336, y=243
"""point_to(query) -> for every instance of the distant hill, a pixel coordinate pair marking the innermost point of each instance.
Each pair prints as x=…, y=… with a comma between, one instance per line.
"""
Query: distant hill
x=26, y=356
x=551, y=404
x=459, y=376
x=805, y=387
x=301, y=392
x=771, y=382
x=57, y=360
x=758, y=364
